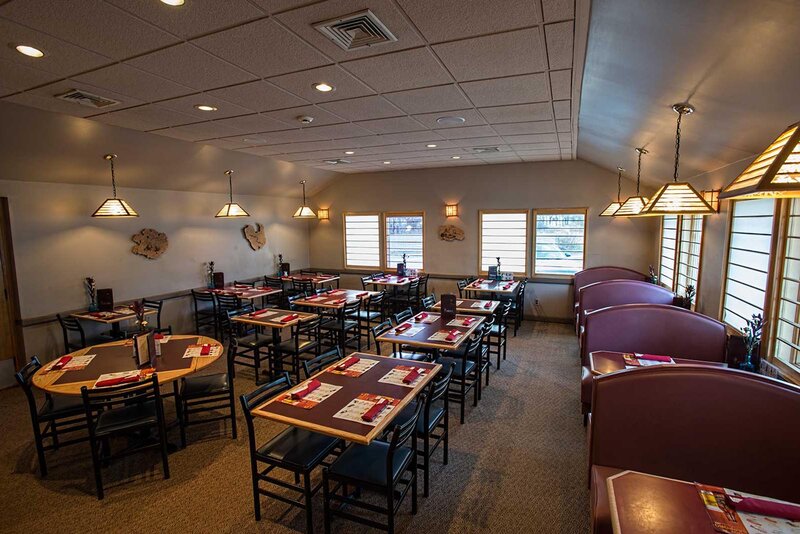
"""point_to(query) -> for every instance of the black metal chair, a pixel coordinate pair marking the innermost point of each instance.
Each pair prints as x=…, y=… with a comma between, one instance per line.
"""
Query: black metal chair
x=225, y=304
x=344, y=329
x=483, y=355
x=423, y=284
x=389, y=469
x=366, y=281
x=274, y=282
x=70, y=325
x=290, y=301
x=373, y=312
x=240, y=283
x=295, y=450
x=403, y=315
x=382, y=328
x=301, y=287
x=126, y=409
x=517, y=305
x=465, y=376
x=157, y=306
x=428, y=301
x=498, y=336
x=205, y=312
x=409, y=297
x=303, y=345
x=312, y=367
x=461, y=285
x=208, y=393
x=252, y=347
x=59, y=414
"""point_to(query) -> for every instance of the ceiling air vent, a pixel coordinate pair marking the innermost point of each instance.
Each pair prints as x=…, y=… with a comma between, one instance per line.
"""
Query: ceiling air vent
x=485, y=149
x=355, y=31
x=338, y=161
x=85, y=98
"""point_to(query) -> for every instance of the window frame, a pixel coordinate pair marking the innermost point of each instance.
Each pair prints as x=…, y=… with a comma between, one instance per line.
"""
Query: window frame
x=558, y=211
x=481, y=213
x=386, y=215
x=380, y=239
x=680, y=243
x=676, y=251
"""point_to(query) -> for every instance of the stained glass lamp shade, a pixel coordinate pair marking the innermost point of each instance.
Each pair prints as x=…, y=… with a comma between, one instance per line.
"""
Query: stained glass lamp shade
x=304, y=212
x=231, y=209
x=614, y=206
x=114, y=207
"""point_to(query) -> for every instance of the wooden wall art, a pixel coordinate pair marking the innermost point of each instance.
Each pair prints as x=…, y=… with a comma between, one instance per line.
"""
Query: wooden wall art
x=450, y=232
x=255, y=236
x=149, y=243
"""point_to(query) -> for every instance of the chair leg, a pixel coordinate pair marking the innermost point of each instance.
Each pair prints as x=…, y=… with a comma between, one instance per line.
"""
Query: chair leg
x=256, y=496
x=463, y=403
x=426, y=464
x=446, y=438
x=326, y=501
x=162, y=429
x=308, y=499
x=233, y=411
x=390, y=507
x=98, y=476
x=38, y=440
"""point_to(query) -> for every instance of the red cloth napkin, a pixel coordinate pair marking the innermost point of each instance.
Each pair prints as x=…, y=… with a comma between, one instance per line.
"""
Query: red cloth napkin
x=468, y=321
x=488, y=305
x=205, y=350
x=64, y=360
x=421, y=316
x=401, y=280
x=361, y=295
x=507, y=286
x=259, y=312
x=158, y=336
x=339, y=301
x=655, y=357
x=96, y=314
x=402, y=328
x=290, y=318
x=312, y=297
x=373, y=412
x=411, y=376
x=117, y=381
x=453, y=335
x=753, y=505
x=352, y=360
x=311, y=386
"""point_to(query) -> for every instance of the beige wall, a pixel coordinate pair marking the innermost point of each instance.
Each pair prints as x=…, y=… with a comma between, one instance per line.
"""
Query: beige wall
x=626, y=242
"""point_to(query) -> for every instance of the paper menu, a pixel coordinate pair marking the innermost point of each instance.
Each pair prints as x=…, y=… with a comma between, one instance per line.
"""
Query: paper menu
x=76, y=363
x=122, y=375
x=193, y=351
x=479, y=304
x=430, y=319
x=399, y=372
x=463, y=322
x=362, y=404
x=727, y=520
x=442, y=335
x=357, y=369
x=636, y=360
x=312, y=399
x=411, y=332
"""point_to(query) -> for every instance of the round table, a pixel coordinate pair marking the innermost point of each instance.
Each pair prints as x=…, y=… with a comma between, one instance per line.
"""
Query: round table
x=117, y=356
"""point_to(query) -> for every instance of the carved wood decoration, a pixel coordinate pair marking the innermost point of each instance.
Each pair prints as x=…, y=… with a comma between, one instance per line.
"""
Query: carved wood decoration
x=149, y=243
x=450, y=232
x=255, y=236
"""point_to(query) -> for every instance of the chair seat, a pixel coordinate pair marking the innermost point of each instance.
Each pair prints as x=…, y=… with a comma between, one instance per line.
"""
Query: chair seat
x=338, y=325
x=416, y=356
x=126, y=418
x=598, y=499
x=201, y=386
x=298, y=448
x=303, y=345
x=367, y=463
x=498, y=329
x=254, y=341
x=460, y=370
x=61, y=406
x=370, y=316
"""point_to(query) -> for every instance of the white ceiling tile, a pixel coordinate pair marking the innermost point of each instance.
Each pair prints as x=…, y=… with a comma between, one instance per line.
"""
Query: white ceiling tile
x=539, y=127
x=193, y=18
x=541, y=158
x=558, y=10
x=531, y=138
x=490, y=56
x=466, y=132
x=91, y=24
x=535, y=147
x=137, y=83
x=16, y=77
x=363, y=108
x=409, y=137
x=259, y=151
x=419, y=67
x=197, y=132
x=44, y=98
x=561, y=83
x=478, y=141
x=186, y=104
x=518, y=113
x=255, y=123
x=188, y=65
x=559, y=38
x=147, y=117
x=258, y=96
x=302, y=21
x=393, y=125
x=297, y=135
x=263, y=47
x=340, y=131
x=302, y=84
x=444, y=20
x=471, y=118
x=291, y=116
x=512, y=90
x=565, y=137
x=430, y=99
x=230, y=144
x=562, y=109
x=563, y=126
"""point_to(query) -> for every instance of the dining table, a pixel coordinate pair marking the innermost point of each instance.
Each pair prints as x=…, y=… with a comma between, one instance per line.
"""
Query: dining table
x=334, y=299
x=492, y=287
x=316, y=279
x=245, y=291
x=277, y=320
x=471, y=306
x=346, y=391
x=429, y=330
x=112, y=317
x=603, y=362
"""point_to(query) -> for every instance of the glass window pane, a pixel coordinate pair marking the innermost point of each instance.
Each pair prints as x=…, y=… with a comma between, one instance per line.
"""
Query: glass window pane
x=559, y=242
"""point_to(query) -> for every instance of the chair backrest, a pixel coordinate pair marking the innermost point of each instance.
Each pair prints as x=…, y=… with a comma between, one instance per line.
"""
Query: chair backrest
x=322, y=361
x=322, y=290
x=501, y=313
x=654, y=329
x=378, y=274
x=598, y=274
x=698, y=423
x=352, y=308
x=24, y=377
x=403, y=315
x=240, y=283
x=423, y=283
x=97, y=400
x=157, y=305
x=308, y=328
x=440, y=384
x=291, y=300
x=274, y=282
x=365, y=281
x=257, y=397
x=414, y=287
x=302, y=285
x=617, y=292
x=228, y=302
x=375, y=302
x=428, y=301
x=70, y=324
x=401, y=433
x=379, y=330
x=202, y=297
x=461, y=285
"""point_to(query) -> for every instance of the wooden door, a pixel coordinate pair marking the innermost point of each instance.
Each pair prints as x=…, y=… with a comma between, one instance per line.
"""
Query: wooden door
x=11, y=345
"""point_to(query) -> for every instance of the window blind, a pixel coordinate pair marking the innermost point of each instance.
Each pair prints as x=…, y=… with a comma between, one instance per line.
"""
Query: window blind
x=669, y=245
x=504, y=235
x=787, y=328
x=690, y=245
x=362, y=240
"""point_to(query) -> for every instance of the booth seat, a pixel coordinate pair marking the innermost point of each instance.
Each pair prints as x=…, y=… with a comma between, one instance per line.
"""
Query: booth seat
x=617, y=292
x=650, y=329
x=600, y=274
x=698, y=423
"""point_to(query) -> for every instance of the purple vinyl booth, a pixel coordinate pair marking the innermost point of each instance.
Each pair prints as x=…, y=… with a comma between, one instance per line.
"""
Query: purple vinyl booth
x=618, y=292
x=600, y=274
x=698, y=423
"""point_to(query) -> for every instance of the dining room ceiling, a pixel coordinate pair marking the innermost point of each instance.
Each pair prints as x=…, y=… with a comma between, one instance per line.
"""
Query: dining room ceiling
x=440, y=83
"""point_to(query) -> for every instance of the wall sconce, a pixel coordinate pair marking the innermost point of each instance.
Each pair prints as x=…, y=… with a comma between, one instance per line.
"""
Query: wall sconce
x=451, y=210
x=323, y=214
x=712, y=197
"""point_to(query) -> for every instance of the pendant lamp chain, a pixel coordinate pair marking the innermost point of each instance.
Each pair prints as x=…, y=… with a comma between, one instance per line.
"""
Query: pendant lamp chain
x=639, y=169
x=230, y=184
x=110, y=158
x=619, y=183
x=304, y=192
x=677, y=146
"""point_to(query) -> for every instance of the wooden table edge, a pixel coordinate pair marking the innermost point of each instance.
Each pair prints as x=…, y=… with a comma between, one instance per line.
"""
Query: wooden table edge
x=126, y=317
x=434, y=345
x=304, y=316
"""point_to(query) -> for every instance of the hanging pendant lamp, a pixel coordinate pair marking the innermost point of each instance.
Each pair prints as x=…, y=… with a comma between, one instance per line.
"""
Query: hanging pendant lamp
x=678, y=198
x=774, y=174
x=114, y=207
x=304, y=212
x=633, y=206
x=231, y=209
x=614, y=206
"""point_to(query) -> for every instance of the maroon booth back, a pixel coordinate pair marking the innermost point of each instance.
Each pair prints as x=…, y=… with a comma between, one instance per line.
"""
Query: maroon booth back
x=618, y=292
x=599, y=274
x=711, y=425
x=654, y=329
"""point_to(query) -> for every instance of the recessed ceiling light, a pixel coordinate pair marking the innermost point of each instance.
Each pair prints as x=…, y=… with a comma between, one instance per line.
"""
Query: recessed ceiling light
x=349, y=152
x=431, y=145
x=324, y=87
x=205, y=107
x=29, y=51
x=450, y=120
x=455, y=157
x=173, y=3
x=387, y=162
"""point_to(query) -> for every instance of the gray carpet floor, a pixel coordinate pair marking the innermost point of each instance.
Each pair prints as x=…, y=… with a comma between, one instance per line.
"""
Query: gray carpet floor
x=517, y=465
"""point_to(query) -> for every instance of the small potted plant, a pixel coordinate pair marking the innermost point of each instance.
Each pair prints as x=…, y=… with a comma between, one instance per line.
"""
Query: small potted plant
x=687, y=299
x=139, y=309
x=210, y=274
x=91, y=292
x=752, y=339
x=653, y=278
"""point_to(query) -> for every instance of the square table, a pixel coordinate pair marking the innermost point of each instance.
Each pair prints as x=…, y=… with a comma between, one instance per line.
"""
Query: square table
x=315, y=279
x=497, y=287
x=471, y=306
x=114, y=318
x=420, y=339
x=245, y=292
x=320, y=417
x=603, y=362
x=331, y=299
x=272, y=319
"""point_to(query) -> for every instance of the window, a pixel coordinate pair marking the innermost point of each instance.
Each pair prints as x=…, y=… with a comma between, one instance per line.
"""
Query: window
x=504, y=234
x=362, y=240
x=748, y=260
x=669, y=244
x=786, y=344
x=404, y=235
x=559, y=240
x=689, y=253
